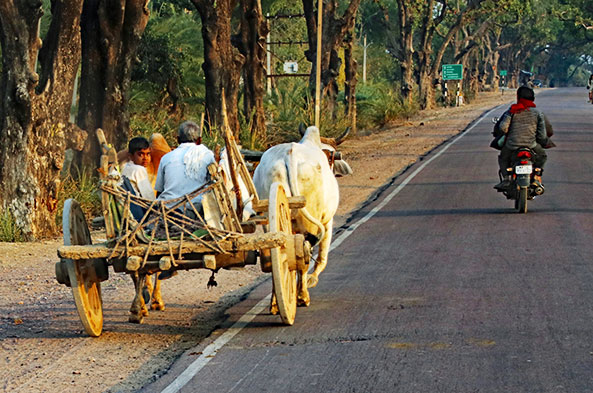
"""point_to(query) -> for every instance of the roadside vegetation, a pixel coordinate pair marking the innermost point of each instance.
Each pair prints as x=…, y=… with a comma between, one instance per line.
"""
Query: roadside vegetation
x=183, y=60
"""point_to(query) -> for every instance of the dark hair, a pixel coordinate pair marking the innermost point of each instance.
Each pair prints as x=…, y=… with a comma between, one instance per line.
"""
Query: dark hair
x=526, y=93
x=188, y=132
x=138, y=143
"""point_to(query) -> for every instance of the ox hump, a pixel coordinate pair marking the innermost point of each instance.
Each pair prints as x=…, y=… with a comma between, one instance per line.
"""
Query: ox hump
x=312, y=136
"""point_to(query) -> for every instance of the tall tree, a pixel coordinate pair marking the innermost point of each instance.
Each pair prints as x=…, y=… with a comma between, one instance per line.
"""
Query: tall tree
x=335, y=27
x=222, y=61
x=35, y=109
x=111, y=33
x=252, y=45
x=351, y=80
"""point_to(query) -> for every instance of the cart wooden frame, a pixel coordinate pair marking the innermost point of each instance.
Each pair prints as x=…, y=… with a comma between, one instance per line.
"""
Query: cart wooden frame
x=267, y=237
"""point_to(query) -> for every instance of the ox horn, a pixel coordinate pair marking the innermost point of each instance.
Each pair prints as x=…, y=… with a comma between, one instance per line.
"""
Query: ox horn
x=302, y=129
x=343, y=137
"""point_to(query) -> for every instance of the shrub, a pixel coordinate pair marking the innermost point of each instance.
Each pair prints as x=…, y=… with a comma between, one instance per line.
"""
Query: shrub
x=380, y=104
x=86, y=192
x=9, y=231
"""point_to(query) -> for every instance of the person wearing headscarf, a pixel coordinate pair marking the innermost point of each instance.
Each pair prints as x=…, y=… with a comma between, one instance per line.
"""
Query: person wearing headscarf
x=184, y=169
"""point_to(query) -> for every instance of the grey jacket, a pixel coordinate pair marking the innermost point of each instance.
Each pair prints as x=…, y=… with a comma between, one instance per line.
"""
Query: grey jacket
x=524, y=129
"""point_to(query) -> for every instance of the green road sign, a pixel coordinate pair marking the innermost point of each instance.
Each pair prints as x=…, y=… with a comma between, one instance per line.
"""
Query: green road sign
x=452, y=72
x=503, y=72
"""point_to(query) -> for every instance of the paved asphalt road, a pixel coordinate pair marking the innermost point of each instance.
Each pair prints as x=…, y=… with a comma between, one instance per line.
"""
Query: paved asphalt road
x=445, y=289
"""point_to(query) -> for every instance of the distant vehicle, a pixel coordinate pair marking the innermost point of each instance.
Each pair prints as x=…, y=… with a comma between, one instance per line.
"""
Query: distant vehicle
x=537, y=83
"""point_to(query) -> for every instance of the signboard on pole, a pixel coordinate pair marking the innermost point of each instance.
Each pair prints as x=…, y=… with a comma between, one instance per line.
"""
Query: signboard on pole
x=291, y=67
x=503, y=72
x=452, y=72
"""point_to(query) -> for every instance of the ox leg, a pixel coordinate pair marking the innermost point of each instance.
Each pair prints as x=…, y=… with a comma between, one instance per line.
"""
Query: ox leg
x=303, y=298
x=147, y=289
x=273, y=302
x=313, y=278
x=138, y=309
x=157, y=302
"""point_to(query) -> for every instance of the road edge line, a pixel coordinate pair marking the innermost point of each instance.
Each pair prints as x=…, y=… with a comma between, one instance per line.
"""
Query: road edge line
x=351, y=228
x=210, y=351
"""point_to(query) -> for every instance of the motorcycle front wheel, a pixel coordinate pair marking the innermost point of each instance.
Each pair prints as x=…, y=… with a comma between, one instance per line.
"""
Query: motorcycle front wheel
x=521, y=202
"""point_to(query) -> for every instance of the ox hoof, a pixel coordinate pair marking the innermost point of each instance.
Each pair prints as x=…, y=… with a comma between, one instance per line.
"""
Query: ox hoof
x=303, y=301
x=135, y=318
x=157, y=306
x=144, y=311
x=312, y=281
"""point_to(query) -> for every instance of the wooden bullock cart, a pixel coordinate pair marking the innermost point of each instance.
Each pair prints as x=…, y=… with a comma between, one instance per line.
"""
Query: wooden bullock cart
x=214, y=239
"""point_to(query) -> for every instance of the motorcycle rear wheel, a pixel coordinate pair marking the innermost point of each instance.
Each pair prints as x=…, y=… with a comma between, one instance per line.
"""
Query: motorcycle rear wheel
x=521, y=203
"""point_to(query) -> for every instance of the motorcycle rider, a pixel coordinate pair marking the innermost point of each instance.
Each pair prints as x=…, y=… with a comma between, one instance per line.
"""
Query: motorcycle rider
x=524, y=126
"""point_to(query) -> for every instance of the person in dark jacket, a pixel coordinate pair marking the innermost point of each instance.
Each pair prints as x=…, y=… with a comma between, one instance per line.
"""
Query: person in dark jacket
x=524, y=126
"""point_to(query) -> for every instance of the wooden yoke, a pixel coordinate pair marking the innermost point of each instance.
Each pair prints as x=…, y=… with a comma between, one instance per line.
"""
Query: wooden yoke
x=108, y=161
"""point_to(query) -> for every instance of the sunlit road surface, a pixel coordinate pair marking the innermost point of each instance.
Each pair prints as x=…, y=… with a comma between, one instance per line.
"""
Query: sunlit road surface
x=445, y=289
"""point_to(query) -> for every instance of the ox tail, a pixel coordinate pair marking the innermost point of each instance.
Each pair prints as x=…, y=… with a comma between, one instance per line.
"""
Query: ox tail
x=292, y=174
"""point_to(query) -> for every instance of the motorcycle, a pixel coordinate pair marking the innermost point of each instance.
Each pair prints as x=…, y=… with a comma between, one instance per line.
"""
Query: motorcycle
x=521, y=173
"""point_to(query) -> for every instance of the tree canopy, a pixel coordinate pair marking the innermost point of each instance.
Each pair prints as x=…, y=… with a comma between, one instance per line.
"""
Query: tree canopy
x=81, y=64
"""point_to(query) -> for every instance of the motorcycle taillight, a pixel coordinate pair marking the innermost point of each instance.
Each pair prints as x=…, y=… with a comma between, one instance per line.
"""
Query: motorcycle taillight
x=524, y=162
x=524, y=154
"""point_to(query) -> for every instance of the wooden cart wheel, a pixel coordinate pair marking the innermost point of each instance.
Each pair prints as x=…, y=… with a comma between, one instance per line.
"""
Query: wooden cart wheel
x=86, y=286
x=285, y=283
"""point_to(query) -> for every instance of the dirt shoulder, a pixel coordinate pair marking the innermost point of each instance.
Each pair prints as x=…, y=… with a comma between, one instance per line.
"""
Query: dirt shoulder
x=42, y=344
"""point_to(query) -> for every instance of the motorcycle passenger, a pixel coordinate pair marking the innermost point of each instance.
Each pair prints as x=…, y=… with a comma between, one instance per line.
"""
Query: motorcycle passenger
x=524, y=126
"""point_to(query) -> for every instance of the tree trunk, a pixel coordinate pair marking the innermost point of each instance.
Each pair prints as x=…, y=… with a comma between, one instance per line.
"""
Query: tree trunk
x=35, y=110
x=253, y=46
x=351, y=81
x=425, y=86
x=495, y=73
x=406, y=23
x=111, y=33
x=428, y=68
x=474, y=85
x=222, y=61
x=334, y=31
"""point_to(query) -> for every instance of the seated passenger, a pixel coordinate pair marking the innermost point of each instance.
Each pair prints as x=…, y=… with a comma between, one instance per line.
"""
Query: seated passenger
x=185, y=169
x=135, y=169
x=158, y=148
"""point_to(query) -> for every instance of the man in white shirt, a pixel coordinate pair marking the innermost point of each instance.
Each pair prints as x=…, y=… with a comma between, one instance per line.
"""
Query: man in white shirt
x=184, y=169
x=135, y=169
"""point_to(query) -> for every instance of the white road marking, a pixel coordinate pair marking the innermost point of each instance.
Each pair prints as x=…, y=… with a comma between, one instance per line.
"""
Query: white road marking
x=348, y=231
x=210, y=351
x=215, y=346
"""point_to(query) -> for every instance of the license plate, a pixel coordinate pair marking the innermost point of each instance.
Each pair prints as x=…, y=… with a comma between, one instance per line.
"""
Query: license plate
x=523, y=169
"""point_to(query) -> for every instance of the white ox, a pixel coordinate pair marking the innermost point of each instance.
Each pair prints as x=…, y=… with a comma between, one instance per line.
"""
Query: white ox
x=303, y=169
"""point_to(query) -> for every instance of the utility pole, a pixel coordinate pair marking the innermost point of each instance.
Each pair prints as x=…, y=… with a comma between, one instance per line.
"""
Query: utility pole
x=364, y=59
x=269, y=57
x=318, y=64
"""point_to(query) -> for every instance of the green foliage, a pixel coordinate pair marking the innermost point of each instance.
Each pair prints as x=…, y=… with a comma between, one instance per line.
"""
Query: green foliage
x=159, y=60
x=380, y=104
x=171, y=51
x=86, y=192
x=286, y=108
x=9, y=231
x=290, y=105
